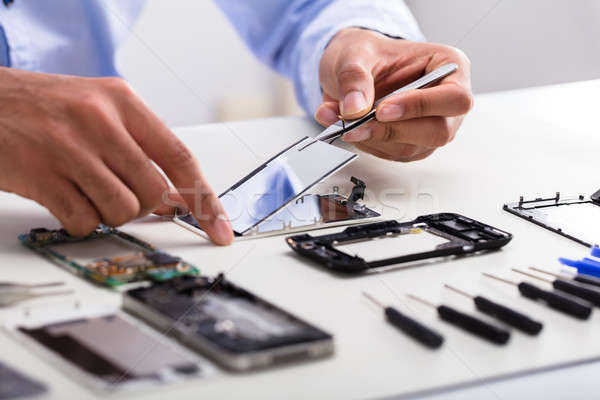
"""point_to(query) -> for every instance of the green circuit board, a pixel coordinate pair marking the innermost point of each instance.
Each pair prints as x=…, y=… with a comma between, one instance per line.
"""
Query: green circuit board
x=140, y=261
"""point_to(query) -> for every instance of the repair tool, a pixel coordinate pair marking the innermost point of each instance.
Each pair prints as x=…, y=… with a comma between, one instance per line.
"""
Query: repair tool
x=586, y=266
x=567, y=304
x=581, y=290
x=341, y=127
x=411, y=327
x=468, y=323
x=590, y=280
x=502, y=313
x=12, y=293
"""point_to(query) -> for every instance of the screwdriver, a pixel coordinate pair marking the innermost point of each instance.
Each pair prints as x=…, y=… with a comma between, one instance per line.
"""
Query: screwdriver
x=582, y=278
x=467, y=322
x=583, y=291
x=567, y=304
x=411, y=327
x=502, y=313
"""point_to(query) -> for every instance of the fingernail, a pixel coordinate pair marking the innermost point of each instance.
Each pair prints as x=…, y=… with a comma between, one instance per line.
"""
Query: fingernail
x=182, y=210
x=222, y=230
x=354, y=102
x=358, y=135
x=326, y=116
x=390, y=112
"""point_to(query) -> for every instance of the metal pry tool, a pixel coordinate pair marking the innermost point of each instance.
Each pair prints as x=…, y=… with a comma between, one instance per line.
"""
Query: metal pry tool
x=341, y=127
x=12, y=293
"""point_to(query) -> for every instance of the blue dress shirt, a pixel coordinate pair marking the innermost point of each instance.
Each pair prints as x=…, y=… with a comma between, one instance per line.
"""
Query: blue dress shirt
x=80, y=37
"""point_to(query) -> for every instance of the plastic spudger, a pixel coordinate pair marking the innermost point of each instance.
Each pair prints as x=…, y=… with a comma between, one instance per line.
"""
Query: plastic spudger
x=474, y=325
x=586, y=292
x=507, y=315
x=582, y=266
x=414, y=329
x=561, y=302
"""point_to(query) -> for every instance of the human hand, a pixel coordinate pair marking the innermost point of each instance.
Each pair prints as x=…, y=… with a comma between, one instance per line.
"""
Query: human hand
x=83, y=148
x=360, y=66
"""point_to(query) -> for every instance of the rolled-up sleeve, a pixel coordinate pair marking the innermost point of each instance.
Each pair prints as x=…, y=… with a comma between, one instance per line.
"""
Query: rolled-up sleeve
x=291, y=35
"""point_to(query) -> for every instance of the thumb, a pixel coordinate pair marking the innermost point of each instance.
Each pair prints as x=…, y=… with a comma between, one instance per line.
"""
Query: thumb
x=355, y=87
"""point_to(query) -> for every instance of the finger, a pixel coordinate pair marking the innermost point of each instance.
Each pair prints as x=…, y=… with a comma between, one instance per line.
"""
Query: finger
x=128, y=161
x=177, y=161
x=429, y=132
x=327, y=113
x=443, y=100
x=66, y=202
x=350, y=81
x=114, y=201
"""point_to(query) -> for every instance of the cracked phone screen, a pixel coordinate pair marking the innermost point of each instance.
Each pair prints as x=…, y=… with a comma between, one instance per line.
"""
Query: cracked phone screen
x=281, y=180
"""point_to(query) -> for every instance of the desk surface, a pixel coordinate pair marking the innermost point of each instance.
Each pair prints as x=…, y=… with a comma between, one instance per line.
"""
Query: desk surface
x=526, y=142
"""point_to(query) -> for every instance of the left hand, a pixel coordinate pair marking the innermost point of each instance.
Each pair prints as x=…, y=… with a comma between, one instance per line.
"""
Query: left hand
x=360, y=66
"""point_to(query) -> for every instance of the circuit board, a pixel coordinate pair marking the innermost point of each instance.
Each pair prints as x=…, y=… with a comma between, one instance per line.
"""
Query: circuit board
x=141, y=263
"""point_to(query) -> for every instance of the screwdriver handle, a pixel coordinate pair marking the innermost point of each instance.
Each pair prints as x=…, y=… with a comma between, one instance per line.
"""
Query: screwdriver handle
x=474, y=325
x=507, y=315
x=414, y=329
x=558, y=301
x=587, y=279
x=580, y=290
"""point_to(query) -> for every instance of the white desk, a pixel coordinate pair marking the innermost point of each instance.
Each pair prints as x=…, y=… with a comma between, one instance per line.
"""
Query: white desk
x=529, y=142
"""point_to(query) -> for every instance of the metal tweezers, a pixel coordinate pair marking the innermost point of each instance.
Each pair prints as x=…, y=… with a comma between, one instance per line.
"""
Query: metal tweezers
x=12, y=293
x=341, y=127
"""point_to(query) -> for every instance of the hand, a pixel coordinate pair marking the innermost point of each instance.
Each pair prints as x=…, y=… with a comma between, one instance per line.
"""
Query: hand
x=360, y=66
x=84, y=147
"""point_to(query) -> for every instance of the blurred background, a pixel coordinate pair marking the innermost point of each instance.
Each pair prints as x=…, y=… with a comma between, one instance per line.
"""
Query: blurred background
x=185, y=60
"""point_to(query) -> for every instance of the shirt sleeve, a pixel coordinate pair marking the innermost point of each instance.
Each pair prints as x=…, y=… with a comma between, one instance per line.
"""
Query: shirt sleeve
x=291, y=35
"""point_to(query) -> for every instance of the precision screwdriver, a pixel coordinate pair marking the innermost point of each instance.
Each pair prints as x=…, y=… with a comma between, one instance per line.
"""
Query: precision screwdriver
x=502, y=313
x=411, y=327
x=468, y=323
x=586, y=292
x=567, y=304
x=582, y=278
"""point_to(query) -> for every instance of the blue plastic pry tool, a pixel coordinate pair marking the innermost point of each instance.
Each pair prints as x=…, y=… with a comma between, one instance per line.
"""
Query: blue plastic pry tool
x=587, y=266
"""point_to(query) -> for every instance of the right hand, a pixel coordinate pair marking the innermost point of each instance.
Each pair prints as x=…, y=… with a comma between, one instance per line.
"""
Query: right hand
x=83, y=148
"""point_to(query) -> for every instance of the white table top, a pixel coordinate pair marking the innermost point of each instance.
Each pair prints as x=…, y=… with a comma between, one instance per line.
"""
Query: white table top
x=528, y=142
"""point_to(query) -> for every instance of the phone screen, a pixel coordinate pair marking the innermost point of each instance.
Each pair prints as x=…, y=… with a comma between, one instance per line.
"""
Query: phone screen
x=280, y=180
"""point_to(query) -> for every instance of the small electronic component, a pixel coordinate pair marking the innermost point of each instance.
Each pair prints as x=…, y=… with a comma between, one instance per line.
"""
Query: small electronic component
x=577, y=218
x=310, y=211
x=227, y=323
x=502, y=313
x=410, y=326
x=564, y=303
x=459, y=235
x=468, y=322
x=137, y=261
x=586, y=292
x=112, y=352
x=15, y=385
